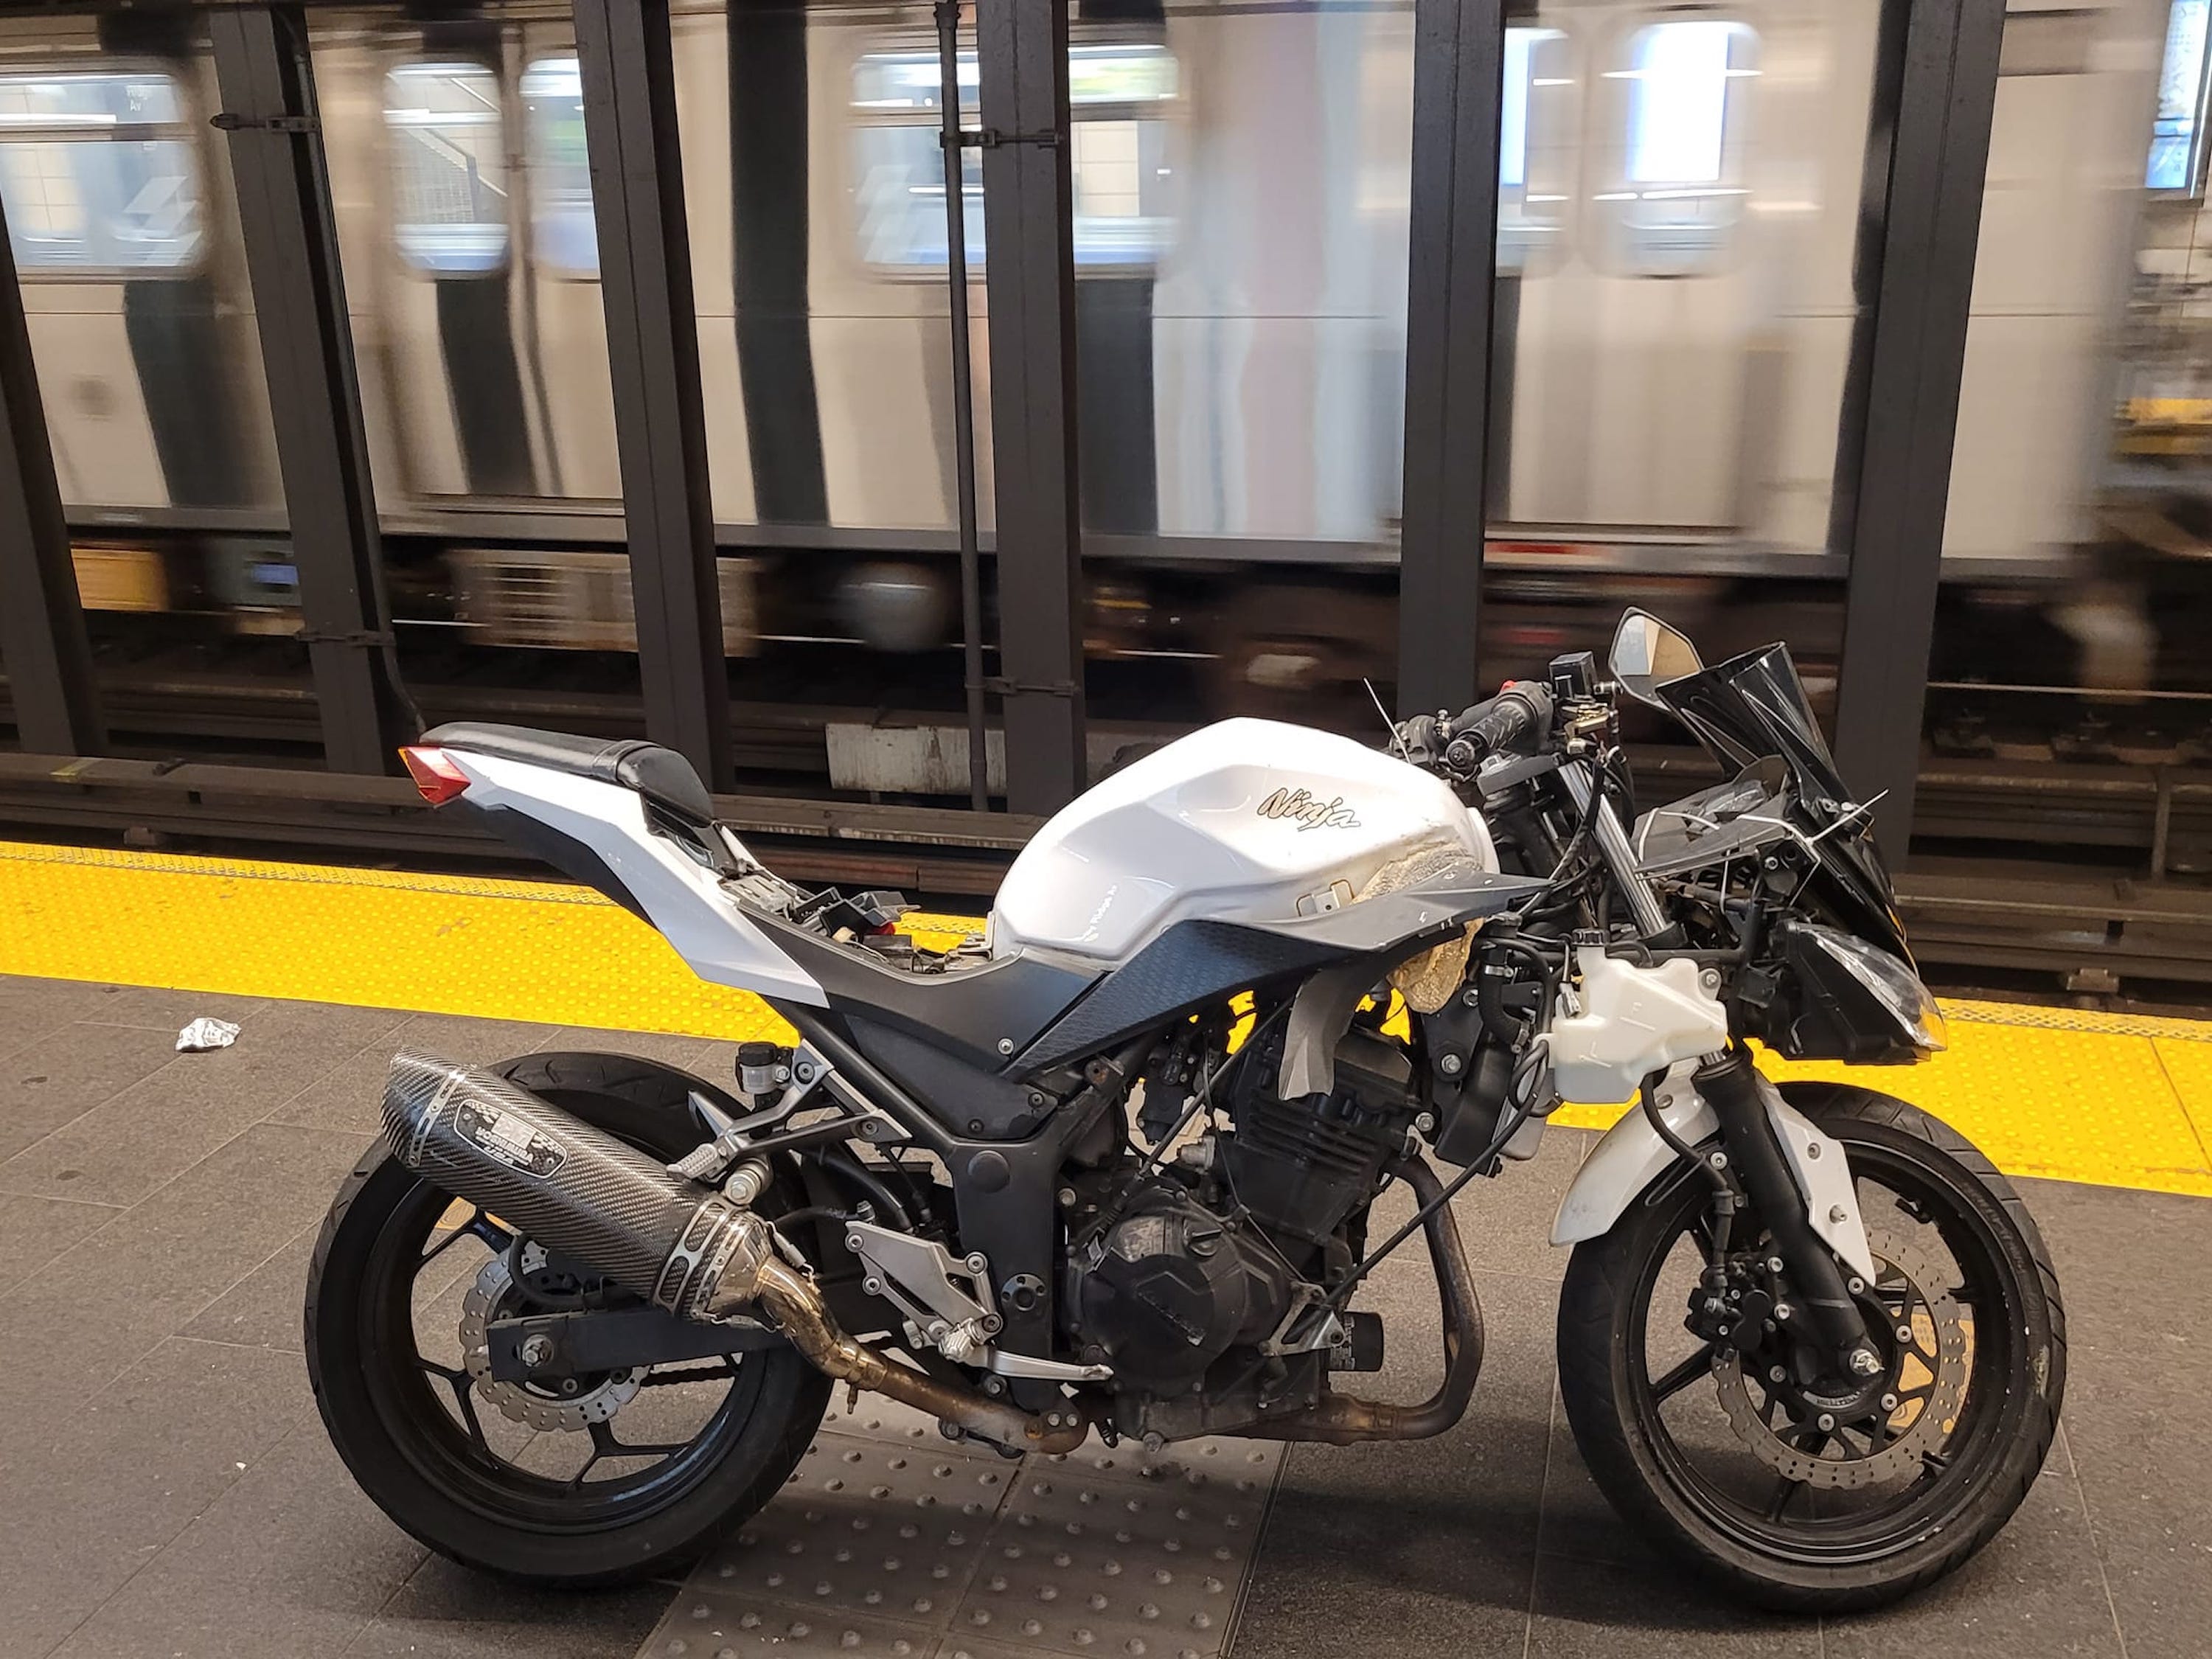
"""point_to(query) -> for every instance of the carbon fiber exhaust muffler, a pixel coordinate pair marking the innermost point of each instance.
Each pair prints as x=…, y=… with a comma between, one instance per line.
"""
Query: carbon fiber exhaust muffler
x=554, y=1178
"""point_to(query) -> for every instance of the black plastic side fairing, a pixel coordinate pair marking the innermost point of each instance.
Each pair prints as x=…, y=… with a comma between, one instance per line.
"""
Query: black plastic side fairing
x=963, y=1096
x=1191, y=964
x=968, y=1012
x=1202, y=960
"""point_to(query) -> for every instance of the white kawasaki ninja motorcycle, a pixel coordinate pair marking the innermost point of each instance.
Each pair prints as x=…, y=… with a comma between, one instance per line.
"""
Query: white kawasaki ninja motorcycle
x=578, y=1313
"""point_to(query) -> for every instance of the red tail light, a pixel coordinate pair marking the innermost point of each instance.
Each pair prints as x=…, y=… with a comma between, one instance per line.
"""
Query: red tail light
x=436, y=776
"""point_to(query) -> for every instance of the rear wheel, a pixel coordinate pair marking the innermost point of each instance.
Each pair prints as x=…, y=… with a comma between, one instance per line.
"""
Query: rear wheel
x=608, y=1478
x=1799, y=1490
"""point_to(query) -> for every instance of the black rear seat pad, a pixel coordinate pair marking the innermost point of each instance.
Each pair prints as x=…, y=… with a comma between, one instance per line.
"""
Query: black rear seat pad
x=661, y=776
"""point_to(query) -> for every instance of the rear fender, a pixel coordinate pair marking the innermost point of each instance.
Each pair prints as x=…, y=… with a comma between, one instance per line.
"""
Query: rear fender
x=1623, y=1166
x=682, y=899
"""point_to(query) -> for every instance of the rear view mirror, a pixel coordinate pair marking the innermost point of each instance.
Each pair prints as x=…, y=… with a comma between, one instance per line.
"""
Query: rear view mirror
x=1647, y=654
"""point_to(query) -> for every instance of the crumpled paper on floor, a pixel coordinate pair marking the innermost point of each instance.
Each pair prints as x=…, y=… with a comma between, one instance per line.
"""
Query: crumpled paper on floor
x=205, y=1033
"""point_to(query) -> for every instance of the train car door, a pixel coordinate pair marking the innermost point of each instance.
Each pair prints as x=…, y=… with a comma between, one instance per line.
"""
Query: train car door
x=127, y=249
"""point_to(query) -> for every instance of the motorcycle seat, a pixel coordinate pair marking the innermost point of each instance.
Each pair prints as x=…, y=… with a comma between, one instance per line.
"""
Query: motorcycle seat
x=661, y=776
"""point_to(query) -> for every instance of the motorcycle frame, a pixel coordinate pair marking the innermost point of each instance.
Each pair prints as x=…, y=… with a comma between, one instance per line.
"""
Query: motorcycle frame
x=1004, y=1184
x=1004, y=1189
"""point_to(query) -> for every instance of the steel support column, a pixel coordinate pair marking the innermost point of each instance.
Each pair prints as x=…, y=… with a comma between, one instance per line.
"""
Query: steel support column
x=42, y=638
x=1459, y=48
x=1916, y=266
x=653, y=344
x=1028, y=203
x=268, y=89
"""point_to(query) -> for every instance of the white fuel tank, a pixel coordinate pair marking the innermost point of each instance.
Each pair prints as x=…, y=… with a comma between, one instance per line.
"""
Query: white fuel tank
x=1247, y=818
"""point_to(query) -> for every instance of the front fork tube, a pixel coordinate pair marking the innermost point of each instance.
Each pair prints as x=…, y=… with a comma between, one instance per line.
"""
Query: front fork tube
x=1730, y=1086
x=1619, y=855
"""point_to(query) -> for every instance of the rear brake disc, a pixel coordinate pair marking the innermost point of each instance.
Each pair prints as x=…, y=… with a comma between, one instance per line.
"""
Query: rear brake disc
x=597, y=1399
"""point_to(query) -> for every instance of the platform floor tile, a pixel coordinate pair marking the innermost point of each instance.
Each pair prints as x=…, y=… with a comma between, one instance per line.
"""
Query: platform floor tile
x=888, y=1541
x=166, y=1491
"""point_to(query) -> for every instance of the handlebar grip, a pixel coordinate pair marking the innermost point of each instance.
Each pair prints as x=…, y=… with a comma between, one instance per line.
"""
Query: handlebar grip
x=1502, y=723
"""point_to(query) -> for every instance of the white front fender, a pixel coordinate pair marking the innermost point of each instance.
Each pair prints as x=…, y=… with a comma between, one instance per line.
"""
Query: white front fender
x=1632, y=1155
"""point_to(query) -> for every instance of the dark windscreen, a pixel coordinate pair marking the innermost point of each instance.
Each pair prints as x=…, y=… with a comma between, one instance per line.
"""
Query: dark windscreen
x=1754, y=706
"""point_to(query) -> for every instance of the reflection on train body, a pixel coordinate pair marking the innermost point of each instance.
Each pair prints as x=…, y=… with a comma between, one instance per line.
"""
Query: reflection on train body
x=1680, y=191
x=126, y=240
x=1678, y=261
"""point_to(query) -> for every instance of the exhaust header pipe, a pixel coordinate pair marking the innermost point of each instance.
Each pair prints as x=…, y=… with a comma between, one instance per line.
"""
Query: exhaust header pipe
x=683, y=1247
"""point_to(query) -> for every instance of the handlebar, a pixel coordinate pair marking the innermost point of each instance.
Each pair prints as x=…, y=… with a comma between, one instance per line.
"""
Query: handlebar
x=1517, y=723
x=1517, y=720
x=1505, y=722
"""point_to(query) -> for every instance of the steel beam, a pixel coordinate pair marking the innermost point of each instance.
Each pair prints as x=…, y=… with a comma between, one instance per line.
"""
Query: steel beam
x=1459, y=49
x=268, y=89
x=653, y=340
x=1916, y=267
x=42, y=637
x=1029, y=204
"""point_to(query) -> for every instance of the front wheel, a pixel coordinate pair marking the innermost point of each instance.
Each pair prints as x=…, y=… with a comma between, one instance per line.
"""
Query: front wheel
x=612, y=1476
x=1792, y=1491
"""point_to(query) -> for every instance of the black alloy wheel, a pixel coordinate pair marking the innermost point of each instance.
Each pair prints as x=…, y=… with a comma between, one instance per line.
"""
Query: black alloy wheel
x=605, y=1479
x=1817, y=1493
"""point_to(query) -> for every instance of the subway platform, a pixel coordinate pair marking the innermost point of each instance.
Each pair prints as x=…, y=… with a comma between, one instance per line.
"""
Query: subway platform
x=167, y=1489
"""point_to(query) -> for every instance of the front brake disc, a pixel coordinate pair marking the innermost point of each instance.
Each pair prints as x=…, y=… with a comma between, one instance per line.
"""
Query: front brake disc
x=1927, y=1375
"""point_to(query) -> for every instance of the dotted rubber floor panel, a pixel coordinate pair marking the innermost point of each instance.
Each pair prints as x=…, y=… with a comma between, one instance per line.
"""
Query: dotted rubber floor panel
x=888, y=1541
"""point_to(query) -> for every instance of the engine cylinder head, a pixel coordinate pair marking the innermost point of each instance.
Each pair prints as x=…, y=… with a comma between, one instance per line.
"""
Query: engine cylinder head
x=1301, y=1166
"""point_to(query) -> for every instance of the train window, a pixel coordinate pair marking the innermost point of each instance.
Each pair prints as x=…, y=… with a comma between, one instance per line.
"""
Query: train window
x=1118, y=94
x=2176, y=144
x=1677, y=193
x=448, y=168
x=98, y=172
x=563, y=231
x=1533, y=160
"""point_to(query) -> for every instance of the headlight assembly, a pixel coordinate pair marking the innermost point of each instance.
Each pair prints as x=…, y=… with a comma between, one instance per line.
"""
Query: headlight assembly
x=1895, y=986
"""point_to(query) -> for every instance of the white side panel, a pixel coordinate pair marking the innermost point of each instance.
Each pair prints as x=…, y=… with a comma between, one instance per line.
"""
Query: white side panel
x=1824, y=1174
x=102, y=436
x=682, y=901
x=1632, y=1155
x=2062, y=203
x=1246, y=818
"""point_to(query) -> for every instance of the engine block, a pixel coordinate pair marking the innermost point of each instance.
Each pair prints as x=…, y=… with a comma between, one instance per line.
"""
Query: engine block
x=1301, y=1167
x=1164, y=1290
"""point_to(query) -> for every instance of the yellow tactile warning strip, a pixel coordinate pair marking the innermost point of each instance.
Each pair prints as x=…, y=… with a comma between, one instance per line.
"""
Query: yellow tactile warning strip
x=2120, y=1100
x=507, y=949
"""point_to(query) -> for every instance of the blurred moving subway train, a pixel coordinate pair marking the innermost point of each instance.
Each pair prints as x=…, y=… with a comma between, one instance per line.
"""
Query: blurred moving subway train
x=1681, y=192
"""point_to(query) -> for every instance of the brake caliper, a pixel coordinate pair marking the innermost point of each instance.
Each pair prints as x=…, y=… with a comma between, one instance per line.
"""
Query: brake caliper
x=1731, y=1307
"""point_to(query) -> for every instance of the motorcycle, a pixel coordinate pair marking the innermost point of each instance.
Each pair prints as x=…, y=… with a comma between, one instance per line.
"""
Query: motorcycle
x=1112, y=1167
